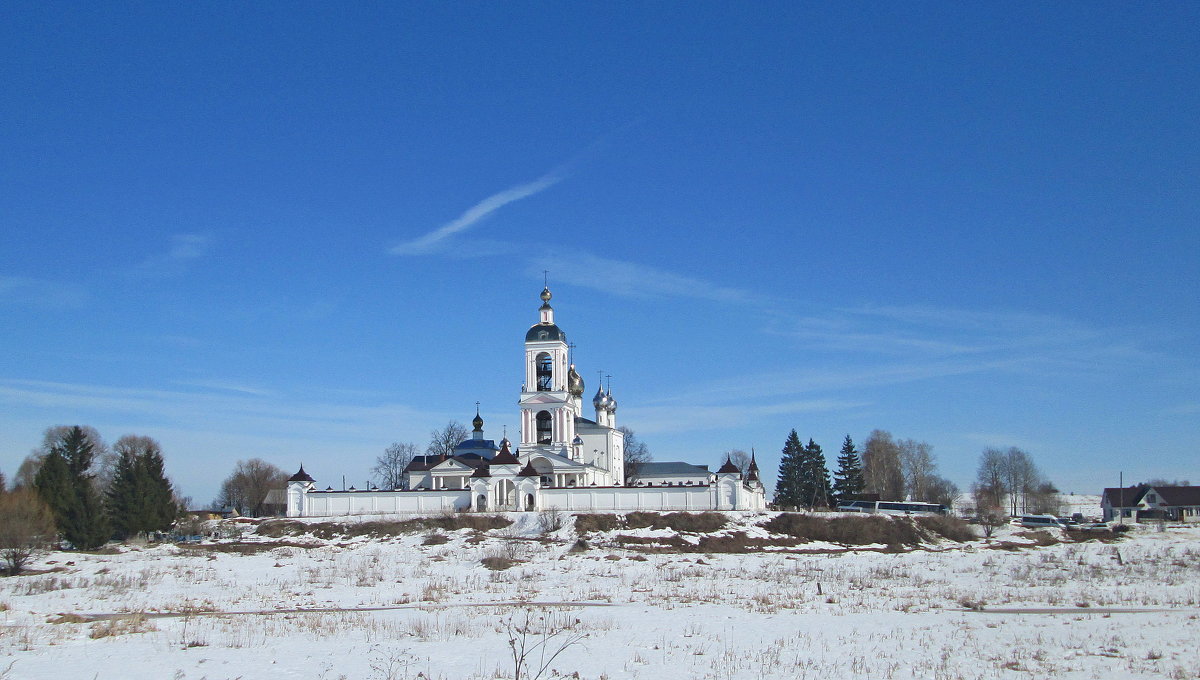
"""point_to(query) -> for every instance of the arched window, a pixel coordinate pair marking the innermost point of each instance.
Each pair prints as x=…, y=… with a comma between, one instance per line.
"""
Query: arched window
x=545, y=433
x=545, y=372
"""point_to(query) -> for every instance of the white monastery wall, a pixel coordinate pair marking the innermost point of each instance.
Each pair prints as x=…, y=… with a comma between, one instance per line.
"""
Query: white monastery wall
x=727, y=496
x=334, y=503
x=662, y=480
x=629, y=498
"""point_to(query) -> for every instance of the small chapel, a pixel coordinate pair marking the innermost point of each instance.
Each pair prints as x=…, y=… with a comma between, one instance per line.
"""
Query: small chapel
x=564, y=460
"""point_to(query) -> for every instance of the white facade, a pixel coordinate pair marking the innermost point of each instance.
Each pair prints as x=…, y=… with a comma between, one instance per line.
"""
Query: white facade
x=564, y=461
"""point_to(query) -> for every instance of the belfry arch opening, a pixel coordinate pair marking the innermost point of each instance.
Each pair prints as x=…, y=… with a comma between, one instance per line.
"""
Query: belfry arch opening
x=545, y=372
x=545, y=428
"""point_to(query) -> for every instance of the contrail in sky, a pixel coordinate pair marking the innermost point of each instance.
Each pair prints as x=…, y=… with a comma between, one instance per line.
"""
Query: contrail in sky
x=475, y=213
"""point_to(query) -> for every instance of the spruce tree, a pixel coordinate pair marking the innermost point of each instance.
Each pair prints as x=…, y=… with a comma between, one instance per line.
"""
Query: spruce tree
x=140, y=499
x=53, y=484
x=160, y=510
x=788, y=493
x=65, y=483
x=122, y=499
x=815, y=476
x=848, y=480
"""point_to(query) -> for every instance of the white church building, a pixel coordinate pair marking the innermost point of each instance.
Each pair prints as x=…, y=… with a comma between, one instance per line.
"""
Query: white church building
x=564, y=460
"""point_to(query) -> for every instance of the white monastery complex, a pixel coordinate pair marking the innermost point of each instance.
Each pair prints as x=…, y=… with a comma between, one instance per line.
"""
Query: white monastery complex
x=564, y=461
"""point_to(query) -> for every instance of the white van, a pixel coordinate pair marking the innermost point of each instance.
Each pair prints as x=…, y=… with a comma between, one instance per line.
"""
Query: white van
x=1040, y=521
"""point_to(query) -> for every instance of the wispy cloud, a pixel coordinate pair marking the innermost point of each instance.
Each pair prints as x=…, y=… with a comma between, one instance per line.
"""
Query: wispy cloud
x=224, y=386
x=631, y=279
x=781, y=383
x=929, y=332
x=239, y=409
x=871, y=349
x=474, y=214
x=33, y=292
x=690, y=417
x=184, y=249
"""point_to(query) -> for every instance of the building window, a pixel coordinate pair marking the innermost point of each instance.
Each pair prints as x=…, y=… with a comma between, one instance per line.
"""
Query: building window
x=545, y=433
x=545, y=372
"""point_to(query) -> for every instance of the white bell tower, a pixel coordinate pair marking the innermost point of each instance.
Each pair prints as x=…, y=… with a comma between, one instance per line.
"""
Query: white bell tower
x=548, y=409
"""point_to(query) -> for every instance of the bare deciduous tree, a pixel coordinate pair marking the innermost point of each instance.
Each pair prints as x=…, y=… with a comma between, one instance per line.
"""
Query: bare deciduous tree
x=27, y=471
x=443, y=441
x=103, y=457
x=990, y=487
x=245, y=490
x=26, y=527
x=916, y=462
x=1021, y=478
x=882, y=471
x=740, y=458
x=389, y=466
x=941, y=490
x=1043, y=499
x=536, y=640
x=1009, y=481
x=636, y=453
x=990, y=517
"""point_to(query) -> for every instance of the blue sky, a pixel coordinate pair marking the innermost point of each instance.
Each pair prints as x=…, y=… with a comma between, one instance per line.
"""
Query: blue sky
x=303, y=231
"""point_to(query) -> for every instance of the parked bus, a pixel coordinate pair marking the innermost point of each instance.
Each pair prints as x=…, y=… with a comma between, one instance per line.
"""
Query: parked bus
x=894, y=508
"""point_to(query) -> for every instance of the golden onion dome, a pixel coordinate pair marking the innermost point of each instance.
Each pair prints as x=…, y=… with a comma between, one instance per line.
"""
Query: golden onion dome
x=574, y=382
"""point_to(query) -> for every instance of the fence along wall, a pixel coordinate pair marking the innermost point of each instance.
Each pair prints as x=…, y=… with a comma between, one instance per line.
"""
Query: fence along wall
x=629, y=498
x=334, y=503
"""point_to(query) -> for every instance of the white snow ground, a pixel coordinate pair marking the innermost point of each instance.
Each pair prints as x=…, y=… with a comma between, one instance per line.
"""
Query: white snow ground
x=853, y=614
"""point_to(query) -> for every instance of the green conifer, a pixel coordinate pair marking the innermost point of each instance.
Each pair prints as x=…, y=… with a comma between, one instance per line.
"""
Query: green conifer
x=66, y=484
x=815, y=477
x=788, y=492
x=140, y=499
x=848, y=480
x=159, y=510
x=121, y=501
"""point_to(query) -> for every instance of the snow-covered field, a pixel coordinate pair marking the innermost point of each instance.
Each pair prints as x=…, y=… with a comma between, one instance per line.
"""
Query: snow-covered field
x=424, y=605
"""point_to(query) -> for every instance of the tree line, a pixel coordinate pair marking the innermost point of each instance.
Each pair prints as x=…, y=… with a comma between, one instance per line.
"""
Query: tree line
x=74, y=488
x=887, y=468
x=1007, y=482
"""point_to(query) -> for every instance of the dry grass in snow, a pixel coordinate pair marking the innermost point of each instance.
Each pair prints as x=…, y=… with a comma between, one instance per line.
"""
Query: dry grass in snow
x=640, y=596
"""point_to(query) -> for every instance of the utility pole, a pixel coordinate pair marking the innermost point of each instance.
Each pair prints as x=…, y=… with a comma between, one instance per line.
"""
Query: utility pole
x=1121, y=500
